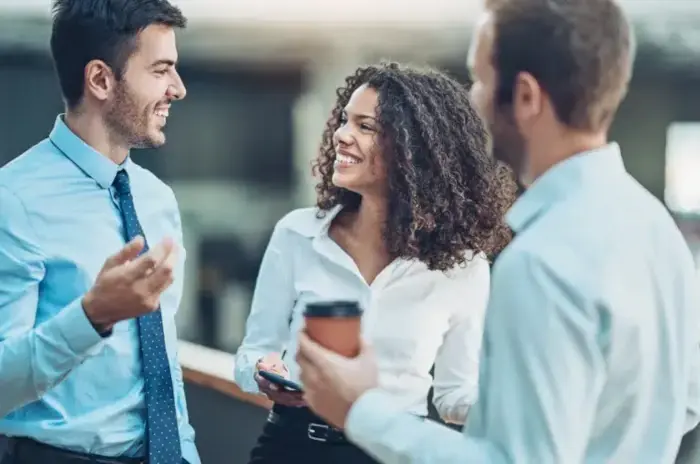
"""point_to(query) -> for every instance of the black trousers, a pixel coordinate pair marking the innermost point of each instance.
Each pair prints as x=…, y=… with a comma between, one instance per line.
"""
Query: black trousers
x=286, y=442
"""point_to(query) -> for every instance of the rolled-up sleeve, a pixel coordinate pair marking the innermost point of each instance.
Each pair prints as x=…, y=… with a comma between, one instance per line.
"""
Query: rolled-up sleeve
x=32, y=359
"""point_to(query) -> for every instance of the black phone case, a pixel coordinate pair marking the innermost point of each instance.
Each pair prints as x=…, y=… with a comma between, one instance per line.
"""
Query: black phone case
x=279, y=380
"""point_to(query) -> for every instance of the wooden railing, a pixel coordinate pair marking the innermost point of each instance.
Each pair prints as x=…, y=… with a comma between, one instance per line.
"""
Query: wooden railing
x=213, y=369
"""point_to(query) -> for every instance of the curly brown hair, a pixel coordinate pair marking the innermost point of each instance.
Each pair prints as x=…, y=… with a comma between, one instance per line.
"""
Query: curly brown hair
x=447, y=194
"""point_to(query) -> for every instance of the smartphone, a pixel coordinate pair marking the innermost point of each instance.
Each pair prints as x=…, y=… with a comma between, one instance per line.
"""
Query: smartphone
x=280, y=381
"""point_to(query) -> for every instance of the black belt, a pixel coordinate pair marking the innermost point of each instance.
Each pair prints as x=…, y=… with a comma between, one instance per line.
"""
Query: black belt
x=28, y=450
x=306, y=424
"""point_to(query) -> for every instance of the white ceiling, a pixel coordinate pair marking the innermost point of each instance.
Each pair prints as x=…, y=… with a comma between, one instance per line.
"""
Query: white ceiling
x=357, y=11
x=296, y=29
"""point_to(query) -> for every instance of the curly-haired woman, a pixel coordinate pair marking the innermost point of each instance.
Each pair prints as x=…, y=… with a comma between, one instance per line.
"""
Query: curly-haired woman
x=410, y=207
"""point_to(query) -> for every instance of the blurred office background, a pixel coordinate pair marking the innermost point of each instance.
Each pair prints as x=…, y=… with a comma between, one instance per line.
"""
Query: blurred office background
x=261, y=76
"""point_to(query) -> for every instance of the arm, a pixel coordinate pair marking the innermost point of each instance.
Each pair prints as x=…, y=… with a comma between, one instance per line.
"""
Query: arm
x=32, y=359
x=456, y=380
x=381, y=427
x=537, y=335
x=267, y=328
x=693, y=409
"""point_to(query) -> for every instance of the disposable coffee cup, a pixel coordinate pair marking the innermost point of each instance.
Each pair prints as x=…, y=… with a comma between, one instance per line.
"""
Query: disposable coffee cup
x=335, y=325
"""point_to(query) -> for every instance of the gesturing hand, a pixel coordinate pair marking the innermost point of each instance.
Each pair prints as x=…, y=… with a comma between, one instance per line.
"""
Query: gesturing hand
x=129, y=285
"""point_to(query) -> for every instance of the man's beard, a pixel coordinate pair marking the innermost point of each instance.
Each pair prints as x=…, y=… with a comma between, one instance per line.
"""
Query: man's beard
x=508, y=145
x=128, y=123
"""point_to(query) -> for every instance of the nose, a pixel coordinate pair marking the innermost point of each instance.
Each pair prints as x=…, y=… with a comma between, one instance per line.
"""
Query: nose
x=343, y=135
x=177, y=90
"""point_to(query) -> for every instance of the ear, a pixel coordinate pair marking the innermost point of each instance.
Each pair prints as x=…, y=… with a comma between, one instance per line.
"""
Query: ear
x=99, y=80
x=527, y=98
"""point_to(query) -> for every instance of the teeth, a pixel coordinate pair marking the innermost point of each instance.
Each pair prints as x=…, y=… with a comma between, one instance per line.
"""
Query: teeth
x=344, y=159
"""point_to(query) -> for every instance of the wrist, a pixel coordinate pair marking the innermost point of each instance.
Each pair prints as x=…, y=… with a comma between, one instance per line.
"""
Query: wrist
x=102, y=327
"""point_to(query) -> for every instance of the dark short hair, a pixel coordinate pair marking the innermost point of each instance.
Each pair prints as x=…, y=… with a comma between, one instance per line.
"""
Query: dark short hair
x=107, y=30
x=447, y=194
x=580, y=52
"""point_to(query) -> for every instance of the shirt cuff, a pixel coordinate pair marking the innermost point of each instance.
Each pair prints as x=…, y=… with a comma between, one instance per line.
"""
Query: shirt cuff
x=75, y=328
x=369, y=416
x=244, y=375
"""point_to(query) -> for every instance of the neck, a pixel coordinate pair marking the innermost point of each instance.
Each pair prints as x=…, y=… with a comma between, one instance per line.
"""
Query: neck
x=546, y=152
x=369, y=221
x=93, y=131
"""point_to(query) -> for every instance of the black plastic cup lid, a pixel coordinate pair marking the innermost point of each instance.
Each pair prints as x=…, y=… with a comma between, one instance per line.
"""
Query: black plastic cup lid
x=338, y=308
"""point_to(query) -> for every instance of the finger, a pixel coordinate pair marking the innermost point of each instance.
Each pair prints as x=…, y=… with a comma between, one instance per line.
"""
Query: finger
x=129, y=252
x=309, y=375
x=172, y=258
x=148, y=262
x=263, y=366
x=298, y=401
x=366, y=347
x=291, y=398
x=264, y=385
x=159, y=280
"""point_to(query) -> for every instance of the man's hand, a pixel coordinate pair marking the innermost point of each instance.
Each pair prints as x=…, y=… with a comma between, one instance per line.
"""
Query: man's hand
x=273, y=363
x=332, y=383
x=130, y=285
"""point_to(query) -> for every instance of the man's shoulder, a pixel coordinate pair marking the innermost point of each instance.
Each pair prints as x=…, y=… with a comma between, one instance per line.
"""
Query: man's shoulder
x=34, y=163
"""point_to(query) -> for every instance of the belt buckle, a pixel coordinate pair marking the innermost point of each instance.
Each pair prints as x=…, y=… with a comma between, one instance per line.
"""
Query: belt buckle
x=318, y=432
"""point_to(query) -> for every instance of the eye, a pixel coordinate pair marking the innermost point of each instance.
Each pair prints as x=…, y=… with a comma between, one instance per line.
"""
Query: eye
x=367, y=127
x=161, y=72
x=343, y=119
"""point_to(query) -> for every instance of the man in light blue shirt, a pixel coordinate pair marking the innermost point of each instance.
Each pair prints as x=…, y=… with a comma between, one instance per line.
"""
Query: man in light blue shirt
x=88, y=361
x=591, y=339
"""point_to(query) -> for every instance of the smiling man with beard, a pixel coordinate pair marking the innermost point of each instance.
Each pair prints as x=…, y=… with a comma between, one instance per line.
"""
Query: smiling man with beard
x=590, y=351
x=88, y=362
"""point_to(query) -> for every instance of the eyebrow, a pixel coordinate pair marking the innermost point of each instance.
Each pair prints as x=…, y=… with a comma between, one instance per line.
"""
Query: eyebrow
x=162, y=62
x=360, y=115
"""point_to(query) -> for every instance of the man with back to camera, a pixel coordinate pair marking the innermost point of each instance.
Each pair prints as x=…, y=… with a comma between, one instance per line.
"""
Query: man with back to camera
x=591, y=340
x=88, y=361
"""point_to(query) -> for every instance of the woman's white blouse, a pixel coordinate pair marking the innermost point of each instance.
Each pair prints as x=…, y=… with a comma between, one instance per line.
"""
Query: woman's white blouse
x=413, y=317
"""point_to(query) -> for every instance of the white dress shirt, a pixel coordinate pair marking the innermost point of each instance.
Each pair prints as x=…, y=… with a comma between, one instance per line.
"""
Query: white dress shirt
x=414, y=317
x=591, y=339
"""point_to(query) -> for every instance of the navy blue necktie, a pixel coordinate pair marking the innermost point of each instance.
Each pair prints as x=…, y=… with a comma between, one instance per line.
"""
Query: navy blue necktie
x=161, y=425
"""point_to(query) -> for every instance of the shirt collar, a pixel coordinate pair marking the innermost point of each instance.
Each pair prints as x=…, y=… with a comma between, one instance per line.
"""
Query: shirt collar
x=311, y=225
x=564, y=178
x=93, y=163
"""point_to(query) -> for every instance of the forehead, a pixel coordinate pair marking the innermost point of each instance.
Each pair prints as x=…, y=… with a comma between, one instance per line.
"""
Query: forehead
x=156, y=42
x=482, y=42
x=363, y=100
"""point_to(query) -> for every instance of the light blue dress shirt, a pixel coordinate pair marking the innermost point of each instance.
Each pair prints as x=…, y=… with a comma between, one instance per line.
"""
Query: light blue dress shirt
x=60, y=382
x=591, y=347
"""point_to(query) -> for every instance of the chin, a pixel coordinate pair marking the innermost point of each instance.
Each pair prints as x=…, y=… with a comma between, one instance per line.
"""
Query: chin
x=342, y=181
x=155, y=140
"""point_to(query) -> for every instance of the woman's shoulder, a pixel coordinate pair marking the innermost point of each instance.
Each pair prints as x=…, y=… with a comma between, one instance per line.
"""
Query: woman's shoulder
x=307, y=222
x=476, y=266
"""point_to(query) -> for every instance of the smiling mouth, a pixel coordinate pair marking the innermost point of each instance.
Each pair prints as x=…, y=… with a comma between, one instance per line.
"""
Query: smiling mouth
x=162, y=112
x=343, y=159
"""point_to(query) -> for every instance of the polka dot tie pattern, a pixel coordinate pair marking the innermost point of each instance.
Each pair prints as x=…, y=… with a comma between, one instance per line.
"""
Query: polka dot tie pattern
x=161, y=426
